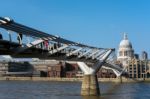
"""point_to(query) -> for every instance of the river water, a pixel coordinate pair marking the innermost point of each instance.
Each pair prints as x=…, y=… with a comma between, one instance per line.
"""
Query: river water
x=70, y=90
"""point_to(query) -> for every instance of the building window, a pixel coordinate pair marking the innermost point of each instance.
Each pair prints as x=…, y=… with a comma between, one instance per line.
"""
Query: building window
x=125, y=53
x=128, y=54
x=120, y=53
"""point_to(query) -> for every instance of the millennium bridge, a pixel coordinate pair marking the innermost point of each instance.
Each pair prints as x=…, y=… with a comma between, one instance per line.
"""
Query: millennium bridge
x=39, y=44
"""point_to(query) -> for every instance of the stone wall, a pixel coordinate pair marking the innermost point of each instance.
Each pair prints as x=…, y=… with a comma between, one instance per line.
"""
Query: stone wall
x=114, y=80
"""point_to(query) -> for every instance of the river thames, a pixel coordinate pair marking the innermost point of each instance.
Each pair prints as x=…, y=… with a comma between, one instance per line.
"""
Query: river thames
x=70, y=90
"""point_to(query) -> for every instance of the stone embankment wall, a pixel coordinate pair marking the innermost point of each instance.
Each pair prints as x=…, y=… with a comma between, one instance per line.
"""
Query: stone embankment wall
x=116, y=80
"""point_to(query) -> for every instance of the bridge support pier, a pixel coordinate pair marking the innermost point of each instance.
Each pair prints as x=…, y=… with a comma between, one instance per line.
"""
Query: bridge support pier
x=90, y=86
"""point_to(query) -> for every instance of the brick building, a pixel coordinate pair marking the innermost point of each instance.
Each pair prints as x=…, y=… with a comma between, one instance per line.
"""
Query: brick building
x=106, y=73
x=47, y=68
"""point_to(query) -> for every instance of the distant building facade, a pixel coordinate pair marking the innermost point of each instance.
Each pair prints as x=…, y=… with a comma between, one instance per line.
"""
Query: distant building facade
x=106, y=73
x=144, y=56
x=136, y=56
x=137, y=68
x=40, y=69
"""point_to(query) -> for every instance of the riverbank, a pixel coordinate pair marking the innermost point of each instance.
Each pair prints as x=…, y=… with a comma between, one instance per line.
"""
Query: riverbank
x=72, y=79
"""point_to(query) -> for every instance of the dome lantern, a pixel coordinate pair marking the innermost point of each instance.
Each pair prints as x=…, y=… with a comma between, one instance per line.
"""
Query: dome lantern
x=125, y=36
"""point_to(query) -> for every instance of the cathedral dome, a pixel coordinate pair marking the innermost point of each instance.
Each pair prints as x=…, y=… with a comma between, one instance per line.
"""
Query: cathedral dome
x=125, y=43
x=125, y=51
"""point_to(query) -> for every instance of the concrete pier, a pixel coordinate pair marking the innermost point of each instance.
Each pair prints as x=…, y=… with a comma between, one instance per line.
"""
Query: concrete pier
x=90, y=86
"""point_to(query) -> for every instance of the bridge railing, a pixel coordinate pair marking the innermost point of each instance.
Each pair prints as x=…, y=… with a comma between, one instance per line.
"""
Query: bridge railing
x=49, y=43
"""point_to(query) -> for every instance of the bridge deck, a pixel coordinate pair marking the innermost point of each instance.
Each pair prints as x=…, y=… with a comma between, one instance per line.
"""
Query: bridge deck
x=8, y=48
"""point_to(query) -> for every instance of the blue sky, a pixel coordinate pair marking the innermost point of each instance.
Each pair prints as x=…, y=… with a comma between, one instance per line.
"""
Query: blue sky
x=99, y=23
